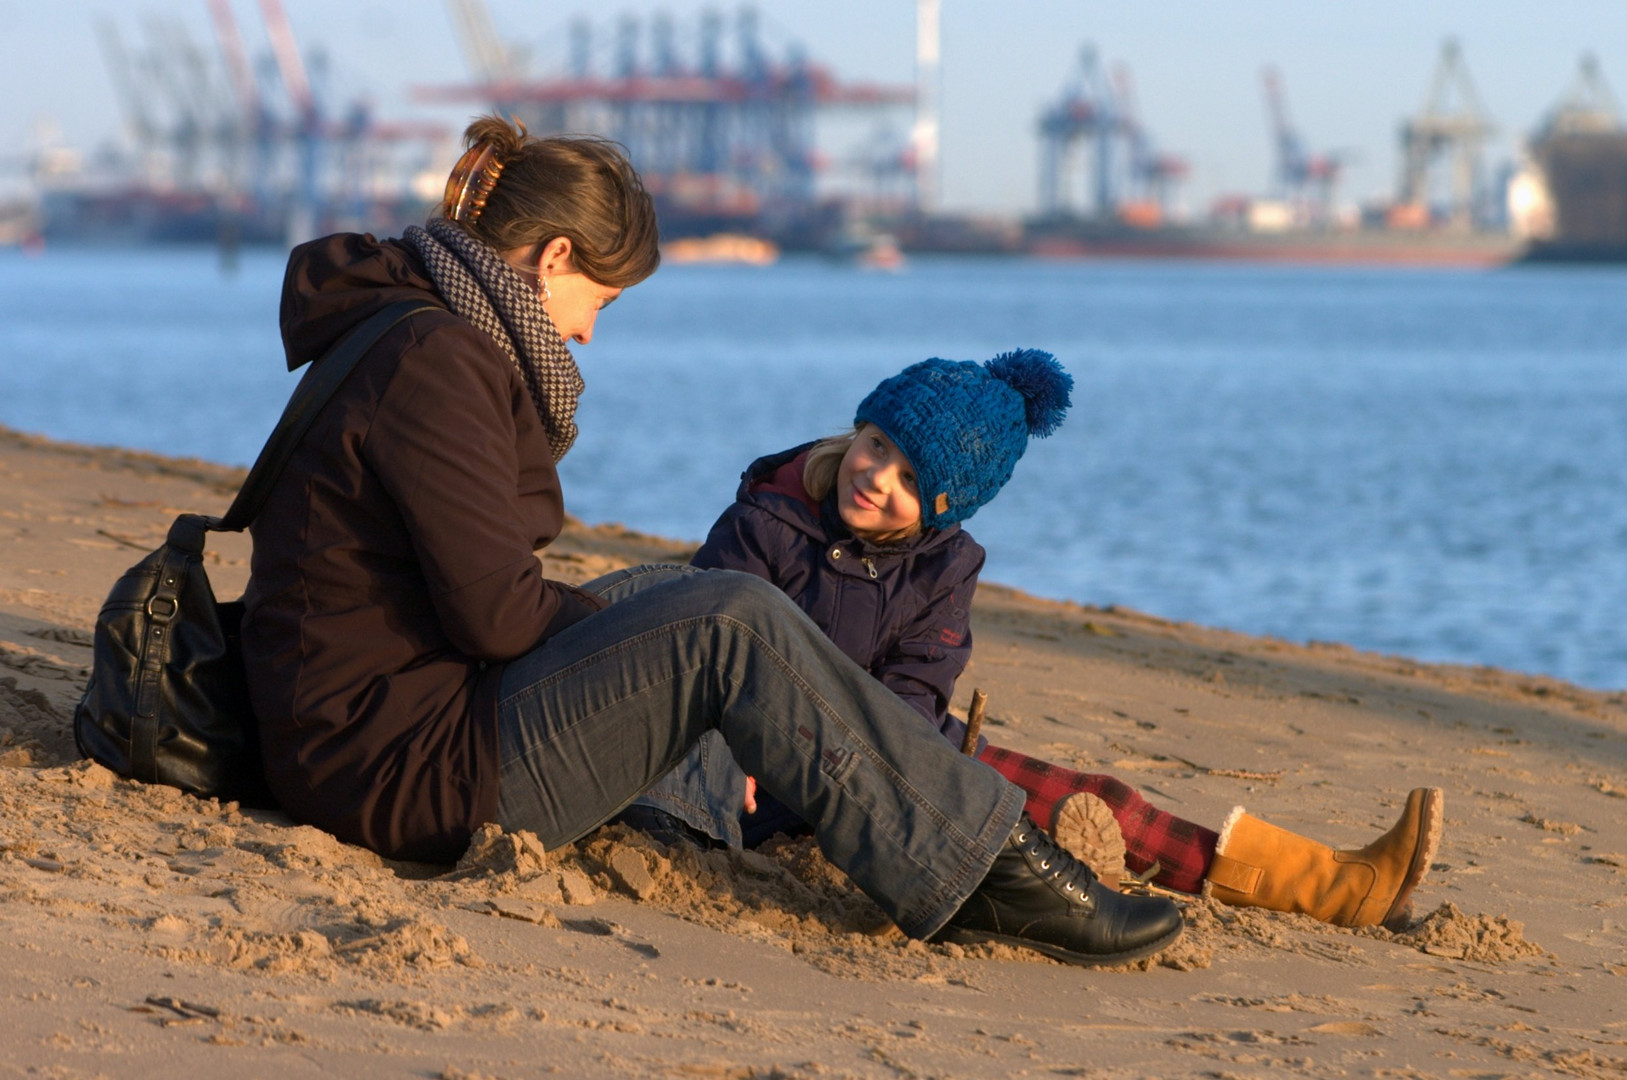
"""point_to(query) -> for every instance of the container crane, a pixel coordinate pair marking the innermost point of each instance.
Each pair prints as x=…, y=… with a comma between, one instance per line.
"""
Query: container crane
x=1152, y=174
x=285, y=50
x=1085, y=115
x=201, y=95
x=253, y=147
x=236, y=58
x=1308, y=179
x=722, y=146
x=129, y=87
x=307, y=123
x=172, y=110
x=224, y=157
x=1452, y=123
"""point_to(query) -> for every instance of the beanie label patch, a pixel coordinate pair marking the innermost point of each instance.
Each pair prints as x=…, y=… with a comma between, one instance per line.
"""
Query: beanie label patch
x=941, y=504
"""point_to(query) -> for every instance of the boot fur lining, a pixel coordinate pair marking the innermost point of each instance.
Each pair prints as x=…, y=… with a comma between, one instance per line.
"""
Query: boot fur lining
x=1432, y=839
x=1226, y=829
x=1225, y=838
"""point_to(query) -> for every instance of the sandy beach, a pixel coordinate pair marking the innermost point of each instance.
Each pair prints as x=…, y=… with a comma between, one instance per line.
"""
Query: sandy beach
x=147, y=933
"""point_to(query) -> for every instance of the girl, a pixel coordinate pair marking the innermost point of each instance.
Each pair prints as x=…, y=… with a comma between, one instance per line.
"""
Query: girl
x=863, y=531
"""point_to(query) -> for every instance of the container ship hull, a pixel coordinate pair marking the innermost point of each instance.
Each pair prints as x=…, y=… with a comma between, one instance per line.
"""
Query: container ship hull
x=1584, y=184
x=139, y=216
x=1087, y=239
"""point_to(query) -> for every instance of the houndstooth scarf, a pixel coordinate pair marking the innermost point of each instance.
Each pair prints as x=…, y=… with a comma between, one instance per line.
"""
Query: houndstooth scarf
x=479, y=286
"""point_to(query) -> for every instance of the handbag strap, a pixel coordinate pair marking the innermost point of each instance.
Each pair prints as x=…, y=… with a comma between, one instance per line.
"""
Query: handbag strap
x=301, y=411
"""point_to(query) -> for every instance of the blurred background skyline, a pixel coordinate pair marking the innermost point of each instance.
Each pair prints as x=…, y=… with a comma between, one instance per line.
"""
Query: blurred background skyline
x=1349, y=74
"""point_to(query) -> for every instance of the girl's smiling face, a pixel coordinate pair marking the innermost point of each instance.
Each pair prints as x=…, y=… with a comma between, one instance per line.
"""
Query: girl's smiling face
x=875, y=488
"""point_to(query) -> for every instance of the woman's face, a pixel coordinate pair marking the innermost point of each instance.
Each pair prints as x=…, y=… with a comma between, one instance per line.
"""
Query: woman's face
x=574, y=302
x=875, y=487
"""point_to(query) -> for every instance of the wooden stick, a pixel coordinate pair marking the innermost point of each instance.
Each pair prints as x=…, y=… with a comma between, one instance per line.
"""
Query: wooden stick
x=974, y=722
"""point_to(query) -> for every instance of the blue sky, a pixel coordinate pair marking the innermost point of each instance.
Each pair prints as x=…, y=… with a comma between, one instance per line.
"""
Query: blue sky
x=1352, y=71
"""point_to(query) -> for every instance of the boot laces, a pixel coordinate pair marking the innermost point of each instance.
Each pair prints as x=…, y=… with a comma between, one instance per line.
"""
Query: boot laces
x=1055, y=864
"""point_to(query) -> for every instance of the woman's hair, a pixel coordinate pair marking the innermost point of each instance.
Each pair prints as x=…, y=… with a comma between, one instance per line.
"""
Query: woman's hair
x=577, y=186
x=819, y=476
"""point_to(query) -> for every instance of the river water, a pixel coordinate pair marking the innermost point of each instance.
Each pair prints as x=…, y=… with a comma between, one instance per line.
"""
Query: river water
x=1427, y=463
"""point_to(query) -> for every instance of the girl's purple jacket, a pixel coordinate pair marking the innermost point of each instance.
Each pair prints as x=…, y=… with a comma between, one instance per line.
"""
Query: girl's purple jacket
x=902, y=611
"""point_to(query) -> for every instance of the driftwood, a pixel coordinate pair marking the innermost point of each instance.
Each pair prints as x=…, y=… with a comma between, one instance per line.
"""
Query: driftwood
x=974, y=722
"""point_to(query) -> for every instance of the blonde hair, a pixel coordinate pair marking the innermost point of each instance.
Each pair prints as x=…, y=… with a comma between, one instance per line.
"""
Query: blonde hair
x=577, y=186
x=819, y=476
x=819, y=473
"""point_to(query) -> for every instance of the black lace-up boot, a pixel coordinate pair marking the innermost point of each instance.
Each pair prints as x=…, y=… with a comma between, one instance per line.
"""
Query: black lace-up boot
x=1037, y=896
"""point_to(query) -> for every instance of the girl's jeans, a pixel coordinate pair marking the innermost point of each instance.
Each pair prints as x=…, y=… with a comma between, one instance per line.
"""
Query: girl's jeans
x=706, y=791
x=598, y=712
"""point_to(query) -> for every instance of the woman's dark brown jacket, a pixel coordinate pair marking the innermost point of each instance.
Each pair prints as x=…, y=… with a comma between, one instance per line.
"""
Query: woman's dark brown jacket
x=393, y=568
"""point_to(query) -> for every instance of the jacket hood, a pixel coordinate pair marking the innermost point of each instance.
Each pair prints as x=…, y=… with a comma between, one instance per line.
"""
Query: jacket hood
x=774, y=484
x=335, y=282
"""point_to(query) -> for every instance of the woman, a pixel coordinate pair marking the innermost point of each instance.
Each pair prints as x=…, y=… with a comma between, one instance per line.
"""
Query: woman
x=414, y=674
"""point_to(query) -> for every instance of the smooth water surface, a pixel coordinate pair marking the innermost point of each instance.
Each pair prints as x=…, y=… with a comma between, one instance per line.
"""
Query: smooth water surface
x=1426, y=463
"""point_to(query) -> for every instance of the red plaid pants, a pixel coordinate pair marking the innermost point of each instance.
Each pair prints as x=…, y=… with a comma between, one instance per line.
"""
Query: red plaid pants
x=1183, y=850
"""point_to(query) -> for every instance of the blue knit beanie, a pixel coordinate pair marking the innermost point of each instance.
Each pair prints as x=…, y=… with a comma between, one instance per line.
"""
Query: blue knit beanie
x=963, y=425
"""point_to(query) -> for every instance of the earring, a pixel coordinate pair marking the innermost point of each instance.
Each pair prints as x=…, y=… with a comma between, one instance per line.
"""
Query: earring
x=543, y=295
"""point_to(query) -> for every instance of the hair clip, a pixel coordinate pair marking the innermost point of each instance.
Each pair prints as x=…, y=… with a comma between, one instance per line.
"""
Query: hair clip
x=471, y=183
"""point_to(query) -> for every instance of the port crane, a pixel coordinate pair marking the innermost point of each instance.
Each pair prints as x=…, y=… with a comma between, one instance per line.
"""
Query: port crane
x=1085, y=118
x=1153, y=175
x=1308, y=179
x=1452, y=124
x=1128, y=178
x=226, y=147
x=723, y=138
x=129, y=87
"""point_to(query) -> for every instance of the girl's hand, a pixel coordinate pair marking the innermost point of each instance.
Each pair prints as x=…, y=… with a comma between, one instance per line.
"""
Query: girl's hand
x=751, y=794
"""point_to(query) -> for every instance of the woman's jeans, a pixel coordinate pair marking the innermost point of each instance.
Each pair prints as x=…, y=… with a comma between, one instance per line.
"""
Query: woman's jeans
x=601, y=710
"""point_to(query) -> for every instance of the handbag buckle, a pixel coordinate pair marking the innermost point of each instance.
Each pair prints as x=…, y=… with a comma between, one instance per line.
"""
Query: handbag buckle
x=166, y=616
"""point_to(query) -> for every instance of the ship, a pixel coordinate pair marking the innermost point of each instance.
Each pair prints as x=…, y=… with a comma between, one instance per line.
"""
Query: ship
x=1568, y=198
x=1575, y=193
x=1076, y=237
x=137, y=213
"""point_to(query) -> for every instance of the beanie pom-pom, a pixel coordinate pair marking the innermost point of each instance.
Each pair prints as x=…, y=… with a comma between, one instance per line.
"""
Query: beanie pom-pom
x=1046, y=388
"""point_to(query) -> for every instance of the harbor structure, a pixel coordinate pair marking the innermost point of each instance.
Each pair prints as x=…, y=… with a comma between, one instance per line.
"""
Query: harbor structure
x=227, y=150
x=232, y=148
x=1569, y=198
x=1308, y=180
x=1425, y=223
x=723, y=132
x=1452, y=129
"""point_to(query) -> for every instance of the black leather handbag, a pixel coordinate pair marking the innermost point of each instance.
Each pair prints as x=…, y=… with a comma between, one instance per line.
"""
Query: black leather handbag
x=167, y=701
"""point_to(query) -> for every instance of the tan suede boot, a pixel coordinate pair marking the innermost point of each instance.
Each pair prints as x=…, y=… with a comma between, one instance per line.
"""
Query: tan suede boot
x=1260, y=865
